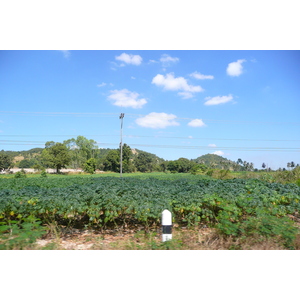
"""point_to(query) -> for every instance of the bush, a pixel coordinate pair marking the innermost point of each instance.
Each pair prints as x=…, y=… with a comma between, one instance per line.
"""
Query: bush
x=21, y=174
x=90, y=166
x=282, y=230
x=19, y=235
x=44, y=173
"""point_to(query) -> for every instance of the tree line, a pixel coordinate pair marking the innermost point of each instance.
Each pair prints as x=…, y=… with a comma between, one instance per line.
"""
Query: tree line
x=83, y=153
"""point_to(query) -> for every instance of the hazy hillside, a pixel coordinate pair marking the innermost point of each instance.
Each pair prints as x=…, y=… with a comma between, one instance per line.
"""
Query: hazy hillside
x=28, y=158
x=216, y=161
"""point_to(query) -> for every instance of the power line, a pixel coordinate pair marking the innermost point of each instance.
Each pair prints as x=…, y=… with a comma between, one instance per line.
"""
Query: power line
x=270, y=149
x=89, y=114
x=145, y=136
x=57, y=113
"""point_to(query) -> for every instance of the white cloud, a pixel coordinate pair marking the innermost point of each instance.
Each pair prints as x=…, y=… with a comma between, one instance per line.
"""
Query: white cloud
x=125, y=98
x=66, y=53
x=235, y=68
x=101, y=84
x=220, y=153
x=167, y=60
x=157, y=120
x=200, y=76
x=130, y=59
x=186, y=95
x=171, y=83
x=196, y=123
x=212, y=145
x=218, y=100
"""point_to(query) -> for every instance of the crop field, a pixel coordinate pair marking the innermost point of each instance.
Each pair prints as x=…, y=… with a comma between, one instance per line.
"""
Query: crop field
x=235, y=208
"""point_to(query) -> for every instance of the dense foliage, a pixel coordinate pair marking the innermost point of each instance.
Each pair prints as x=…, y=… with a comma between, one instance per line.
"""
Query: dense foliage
x=5, y=161
x=236, y=207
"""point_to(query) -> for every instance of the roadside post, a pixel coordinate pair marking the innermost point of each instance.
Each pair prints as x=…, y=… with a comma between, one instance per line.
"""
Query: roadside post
x=166, y=225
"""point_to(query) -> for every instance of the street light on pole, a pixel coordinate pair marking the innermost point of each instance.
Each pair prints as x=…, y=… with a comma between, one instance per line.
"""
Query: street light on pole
x=121, y=144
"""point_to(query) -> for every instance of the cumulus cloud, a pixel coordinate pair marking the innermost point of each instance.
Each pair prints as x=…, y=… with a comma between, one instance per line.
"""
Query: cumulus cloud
x=101, y=84
x=220, y=153
x=125, y=98
x=218, y=100
x=130, y=59
x=157, y=120
x=235, y=68
x=167, y=60
x=171, y=83
x=212, y=145
x=196, y=123
x=200, y=76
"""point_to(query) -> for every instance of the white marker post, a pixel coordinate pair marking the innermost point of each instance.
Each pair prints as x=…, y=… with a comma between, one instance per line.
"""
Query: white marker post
x=166, y=225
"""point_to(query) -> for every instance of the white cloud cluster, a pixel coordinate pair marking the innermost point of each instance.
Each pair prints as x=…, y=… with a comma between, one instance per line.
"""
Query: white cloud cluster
x=196, y=123
x=125, y=98
x=235, y=68
x=130, y=59
x=218, y=100
x=157, y=120
x=167, y=60
x=171, y=83
x=200, y=76
x=220, y=153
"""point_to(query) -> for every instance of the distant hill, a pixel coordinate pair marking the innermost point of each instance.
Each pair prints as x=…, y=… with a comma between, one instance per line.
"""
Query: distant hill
x=216, y=161
x=155, y=157
x=210, y=160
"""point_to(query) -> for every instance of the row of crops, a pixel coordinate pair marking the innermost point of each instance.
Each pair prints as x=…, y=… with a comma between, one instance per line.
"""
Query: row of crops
x=113, y=202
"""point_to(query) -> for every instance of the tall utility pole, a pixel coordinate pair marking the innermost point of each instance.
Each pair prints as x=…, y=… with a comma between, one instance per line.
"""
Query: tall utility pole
x=121, y=144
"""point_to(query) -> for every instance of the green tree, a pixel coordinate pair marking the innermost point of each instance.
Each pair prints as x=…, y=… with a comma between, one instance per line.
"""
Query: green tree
x=28, y=163
x=6, y=162
x=239, y=161
x=112, y=161
x=81, y=149
x=181, y=165
x=55, y=155
x=90, y=166
x=144, y=162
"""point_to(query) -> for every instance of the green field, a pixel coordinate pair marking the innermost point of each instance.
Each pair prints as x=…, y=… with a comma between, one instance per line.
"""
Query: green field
x=234, y=207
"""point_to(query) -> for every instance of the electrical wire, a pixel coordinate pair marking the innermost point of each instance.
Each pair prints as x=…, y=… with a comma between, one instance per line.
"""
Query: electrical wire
x=273, y=149
x=130, y=115
x=145, y=136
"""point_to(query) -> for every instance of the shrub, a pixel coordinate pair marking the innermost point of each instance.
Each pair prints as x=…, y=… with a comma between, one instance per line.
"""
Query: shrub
x=90, y=166
x=21, y=174
x=21, y=234
x=282, y=230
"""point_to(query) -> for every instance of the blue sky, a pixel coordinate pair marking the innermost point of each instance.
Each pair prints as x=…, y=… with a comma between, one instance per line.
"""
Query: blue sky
x=186, y=103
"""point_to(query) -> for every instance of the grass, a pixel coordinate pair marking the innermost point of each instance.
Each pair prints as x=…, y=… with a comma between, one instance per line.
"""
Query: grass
x=183, y=239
